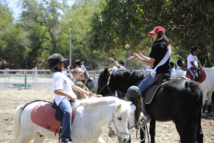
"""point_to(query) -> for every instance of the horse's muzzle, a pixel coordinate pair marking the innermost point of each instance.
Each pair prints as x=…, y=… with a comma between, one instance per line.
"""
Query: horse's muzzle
x=123, y=139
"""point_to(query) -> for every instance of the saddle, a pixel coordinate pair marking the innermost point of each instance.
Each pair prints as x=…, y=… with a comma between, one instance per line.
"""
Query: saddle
x=149, y=94
x=49, y=116
x=201, y=76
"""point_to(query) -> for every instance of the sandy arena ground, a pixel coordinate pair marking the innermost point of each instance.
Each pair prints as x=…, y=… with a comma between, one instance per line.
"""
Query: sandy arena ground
x=11, y=98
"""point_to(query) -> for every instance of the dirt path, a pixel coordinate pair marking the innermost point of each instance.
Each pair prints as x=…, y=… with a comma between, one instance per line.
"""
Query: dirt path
x=10, y=99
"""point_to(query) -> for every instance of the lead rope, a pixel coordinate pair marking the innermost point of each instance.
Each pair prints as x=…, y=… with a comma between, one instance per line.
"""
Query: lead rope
x=146, y=128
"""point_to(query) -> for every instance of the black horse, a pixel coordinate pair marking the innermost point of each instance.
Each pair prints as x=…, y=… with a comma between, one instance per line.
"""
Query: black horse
x=179, y=100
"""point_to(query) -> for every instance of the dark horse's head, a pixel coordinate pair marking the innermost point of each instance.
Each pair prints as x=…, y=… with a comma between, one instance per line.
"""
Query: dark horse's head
x=117, y=80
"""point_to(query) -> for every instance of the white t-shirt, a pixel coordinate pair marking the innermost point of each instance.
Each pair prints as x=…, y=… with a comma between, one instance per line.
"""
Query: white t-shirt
x=84, y=68
x=112, y=69
x=131, y=118
x=193, y=59
x=178, y=68
x=63, y=83
x=122, y=68
x=70, y=76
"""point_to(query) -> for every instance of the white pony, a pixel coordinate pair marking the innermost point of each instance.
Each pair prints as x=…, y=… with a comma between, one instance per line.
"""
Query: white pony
x=91, y=115
x=207, y=86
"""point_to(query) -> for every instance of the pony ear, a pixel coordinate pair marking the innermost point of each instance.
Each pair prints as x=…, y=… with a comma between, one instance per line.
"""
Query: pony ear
x=129, y=102
x=119, y=106
x=105, y=71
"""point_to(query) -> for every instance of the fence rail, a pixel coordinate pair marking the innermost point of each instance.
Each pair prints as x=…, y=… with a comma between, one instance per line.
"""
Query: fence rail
x=35, y=78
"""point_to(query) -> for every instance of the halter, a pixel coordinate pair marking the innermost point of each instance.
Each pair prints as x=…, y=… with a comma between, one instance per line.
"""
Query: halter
x=118, y=132
x=107, y=85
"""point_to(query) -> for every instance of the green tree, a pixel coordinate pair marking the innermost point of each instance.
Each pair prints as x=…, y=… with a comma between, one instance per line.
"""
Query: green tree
x=187, y=23
x=47, y=14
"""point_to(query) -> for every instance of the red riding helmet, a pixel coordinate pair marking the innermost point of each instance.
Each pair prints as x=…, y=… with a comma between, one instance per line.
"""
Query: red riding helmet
x=157, y=29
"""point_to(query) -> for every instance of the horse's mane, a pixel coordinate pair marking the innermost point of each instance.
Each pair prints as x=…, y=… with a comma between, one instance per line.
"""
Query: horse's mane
x=133, y=77
x=95, y=101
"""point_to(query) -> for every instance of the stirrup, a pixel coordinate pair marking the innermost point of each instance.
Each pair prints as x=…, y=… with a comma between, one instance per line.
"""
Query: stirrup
x=144, y=121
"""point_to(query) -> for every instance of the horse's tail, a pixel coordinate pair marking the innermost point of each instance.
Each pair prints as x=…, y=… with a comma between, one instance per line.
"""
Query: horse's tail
x=17, y=127
x=193, y=122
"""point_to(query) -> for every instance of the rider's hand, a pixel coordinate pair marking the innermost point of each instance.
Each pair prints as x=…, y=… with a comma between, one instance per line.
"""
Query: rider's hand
x=140, y=54
x=73, y=99
x=136, y=55
x=90, y=94
x=131, y=58
x=199, y=69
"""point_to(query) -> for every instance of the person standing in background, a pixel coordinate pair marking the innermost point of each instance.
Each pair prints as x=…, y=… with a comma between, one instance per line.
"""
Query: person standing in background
x=111, y=65
x=172, y=66
x=179, y=65
x=87, y=81
x=120, y=65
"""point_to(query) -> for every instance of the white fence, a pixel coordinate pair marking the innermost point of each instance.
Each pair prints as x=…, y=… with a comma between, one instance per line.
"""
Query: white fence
x=36, y=79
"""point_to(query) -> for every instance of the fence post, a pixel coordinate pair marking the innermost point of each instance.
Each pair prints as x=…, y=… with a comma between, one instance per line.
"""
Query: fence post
x=94, y=74
x=25, y=79
x=36, y=72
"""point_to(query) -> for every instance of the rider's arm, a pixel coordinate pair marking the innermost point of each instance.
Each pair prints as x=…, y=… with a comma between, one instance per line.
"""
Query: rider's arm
x=146, y=60
x=61, y=93
x=192, y=63
x=81, y=90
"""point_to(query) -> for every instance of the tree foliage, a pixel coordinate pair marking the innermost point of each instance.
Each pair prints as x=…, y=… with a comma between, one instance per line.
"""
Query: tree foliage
x=187, y=23
x=101, y=28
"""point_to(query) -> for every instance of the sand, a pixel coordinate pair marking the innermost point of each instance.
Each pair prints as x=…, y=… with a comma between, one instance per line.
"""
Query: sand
x=11, y=98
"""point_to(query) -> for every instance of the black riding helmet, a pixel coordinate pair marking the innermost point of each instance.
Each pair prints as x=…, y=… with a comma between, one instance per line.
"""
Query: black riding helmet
x=193, y=48
x=133, y=92
x=54, y=60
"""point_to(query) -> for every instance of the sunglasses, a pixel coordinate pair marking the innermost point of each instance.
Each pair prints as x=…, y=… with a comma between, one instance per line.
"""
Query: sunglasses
x=111, y=62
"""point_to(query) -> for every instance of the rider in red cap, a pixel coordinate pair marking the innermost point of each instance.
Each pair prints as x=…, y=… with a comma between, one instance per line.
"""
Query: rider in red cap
x=157, y=29
x=158, y=59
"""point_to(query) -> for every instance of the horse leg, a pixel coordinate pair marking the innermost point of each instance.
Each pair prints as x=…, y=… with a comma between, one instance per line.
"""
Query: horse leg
x=152, y=130
x=199, y=131
x=142, y=137
x=188, y=124
x=209, y=101
x=38, y=138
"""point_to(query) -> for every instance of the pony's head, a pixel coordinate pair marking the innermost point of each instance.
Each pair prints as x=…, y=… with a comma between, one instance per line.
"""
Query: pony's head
x=119, y=122
x=103, y=83
x=118, y=80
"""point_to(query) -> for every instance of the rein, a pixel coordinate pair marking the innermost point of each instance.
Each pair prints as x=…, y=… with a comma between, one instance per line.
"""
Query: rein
x=107, y=85
x=118, y=132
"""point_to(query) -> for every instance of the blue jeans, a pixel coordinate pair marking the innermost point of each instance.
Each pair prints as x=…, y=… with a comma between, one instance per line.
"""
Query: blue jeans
x=148, y=81
x=66, y=107
x=120, y=94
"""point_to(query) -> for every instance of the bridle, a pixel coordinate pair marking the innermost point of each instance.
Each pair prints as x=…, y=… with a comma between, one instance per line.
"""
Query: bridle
x=118, y=132
x=107, y=85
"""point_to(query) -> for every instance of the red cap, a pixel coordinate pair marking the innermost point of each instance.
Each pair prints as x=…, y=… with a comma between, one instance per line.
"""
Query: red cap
x=157, y=29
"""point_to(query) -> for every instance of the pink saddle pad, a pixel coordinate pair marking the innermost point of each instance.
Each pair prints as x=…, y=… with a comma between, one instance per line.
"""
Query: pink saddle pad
x=44, y=115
